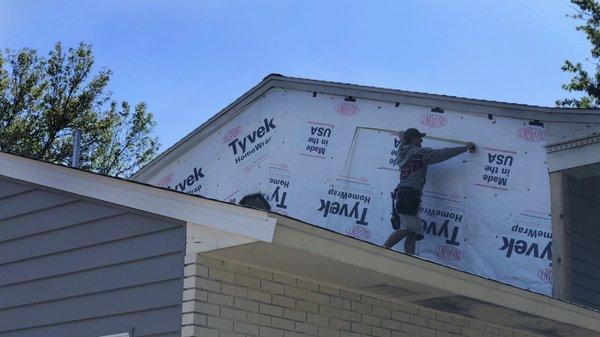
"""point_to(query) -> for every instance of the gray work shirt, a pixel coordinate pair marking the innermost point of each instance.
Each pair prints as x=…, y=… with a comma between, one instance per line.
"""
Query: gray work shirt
x=413, y=160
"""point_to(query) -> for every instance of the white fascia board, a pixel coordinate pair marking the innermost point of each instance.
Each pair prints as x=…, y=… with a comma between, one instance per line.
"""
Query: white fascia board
x=199, y=239
x=567, y=158
x=191, y=209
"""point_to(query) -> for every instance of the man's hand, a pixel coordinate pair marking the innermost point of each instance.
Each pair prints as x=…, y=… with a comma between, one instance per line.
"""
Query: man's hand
x=470, y=147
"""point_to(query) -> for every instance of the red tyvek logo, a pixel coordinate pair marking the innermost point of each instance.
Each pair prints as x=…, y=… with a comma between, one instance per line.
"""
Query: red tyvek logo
x=545, y=275
x=359, y=232
x=347, y=109
x=449, y=253
x=166, y=180
x=434, y=120
x=532, y=134
x=232, y=134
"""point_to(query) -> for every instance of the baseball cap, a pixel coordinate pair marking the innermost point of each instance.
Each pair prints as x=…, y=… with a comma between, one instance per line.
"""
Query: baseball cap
x=411, y=134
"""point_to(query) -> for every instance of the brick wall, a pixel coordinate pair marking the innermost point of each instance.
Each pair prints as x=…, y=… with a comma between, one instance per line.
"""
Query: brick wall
x=226, y=299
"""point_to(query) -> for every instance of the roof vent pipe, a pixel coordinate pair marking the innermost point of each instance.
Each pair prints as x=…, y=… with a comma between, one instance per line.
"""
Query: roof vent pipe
x=76, y=148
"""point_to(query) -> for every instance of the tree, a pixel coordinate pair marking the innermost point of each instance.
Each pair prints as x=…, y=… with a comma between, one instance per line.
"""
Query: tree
x=588, y=13
x=44, y=99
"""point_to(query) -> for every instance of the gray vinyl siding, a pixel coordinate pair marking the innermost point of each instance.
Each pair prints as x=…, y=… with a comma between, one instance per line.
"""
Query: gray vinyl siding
x=584, y=221
x=71, y=266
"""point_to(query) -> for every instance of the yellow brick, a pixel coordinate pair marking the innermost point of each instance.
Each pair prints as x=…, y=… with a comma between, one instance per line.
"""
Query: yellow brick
x=219, y=323
x=209, y=285
x=307, y=306
x=340, y=303
x=304, y=284
x=294, y=315
x=418, y=320
x=318, y=298
x=361, y=307
x=244, y=304
x=193, y=319
x=339, y=324
x=283, y=301
x=426, y=332
x=236, y=291
x=196, y=331
x=371, y=320
x=259, y=319
x=370, y=300
x=272, y=287
x=233, y=314
x=351, y=316
x=411, y=309
x=284, y=279
x=281, y=323
x=400, y=334
x=245, y=328
x=221, y=275
x=377, y=331
x=270, y=310
x=435, y=325
x=360, y=328
x=328, y=332
x=390, y=324
x=306, y=328
x=330, y=311
x=270, y=332
x=350, y=295
x=247, y=281
x=410, y=328
x=295, y=292
x=317, y=320
x=230, y=334
x=220, y=299
x=260, y=296
x=381, y=312
x=350, y=334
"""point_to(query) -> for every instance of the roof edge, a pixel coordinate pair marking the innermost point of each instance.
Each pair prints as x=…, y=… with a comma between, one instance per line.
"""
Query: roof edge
x=346, y=249
x=467, y=105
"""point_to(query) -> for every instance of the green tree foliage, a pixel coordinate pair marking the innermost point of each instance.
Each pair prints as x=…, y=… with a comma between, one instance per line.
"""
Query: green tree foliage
x=44, y=99
x=588, y=84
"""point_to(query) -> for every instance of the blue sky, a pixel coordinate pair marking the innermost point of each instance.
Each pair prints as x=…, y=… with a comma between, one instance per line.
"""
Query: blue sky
x=189, y=59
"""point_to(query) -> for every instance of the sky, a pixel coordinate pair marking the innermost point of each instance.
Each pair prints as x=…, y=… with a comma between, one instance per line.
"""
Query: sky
x=189, y=59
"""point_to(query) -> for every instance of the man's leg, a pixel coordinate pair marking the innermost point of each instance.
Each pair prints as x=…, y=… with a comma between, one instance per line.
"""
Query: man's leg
x=409, y=243
x=394, y=238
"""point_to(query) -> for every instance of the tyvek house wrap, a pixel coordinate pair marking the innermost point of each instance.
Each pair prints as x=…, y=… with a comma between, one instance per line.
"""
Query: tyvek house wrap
x=329, y=161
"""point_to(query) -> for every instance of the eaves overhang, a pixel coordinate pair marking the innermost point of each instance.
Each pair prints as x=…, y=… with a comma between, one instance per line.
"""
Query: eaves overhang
x=315, y=253
x=461, y=104
x=194, y=210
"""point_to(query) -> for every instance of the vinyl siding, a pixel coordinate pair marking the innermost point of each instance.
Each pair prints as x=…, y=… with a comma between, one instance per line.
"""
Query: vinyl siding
x=71, y=266
x=584, y=220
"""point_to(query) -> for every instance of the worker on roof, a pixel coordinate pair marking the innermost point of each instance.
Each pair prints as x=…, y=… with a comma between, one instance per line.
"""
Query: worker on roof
x=412, y=160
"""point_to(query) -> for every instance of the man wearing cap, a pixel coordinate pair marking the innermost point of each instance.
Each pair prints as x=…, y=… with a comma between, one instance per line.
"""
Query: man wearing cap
x=413, y=160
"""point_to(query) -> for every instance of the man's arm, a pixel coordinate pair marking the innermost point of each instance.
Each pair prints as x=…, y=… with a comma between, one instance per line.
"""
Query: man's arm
x=433, y=156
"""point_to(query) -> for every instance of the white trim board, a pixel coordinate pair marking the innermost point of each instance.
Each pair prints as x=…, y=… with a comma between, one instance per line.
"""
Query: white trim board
x=191, y=209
